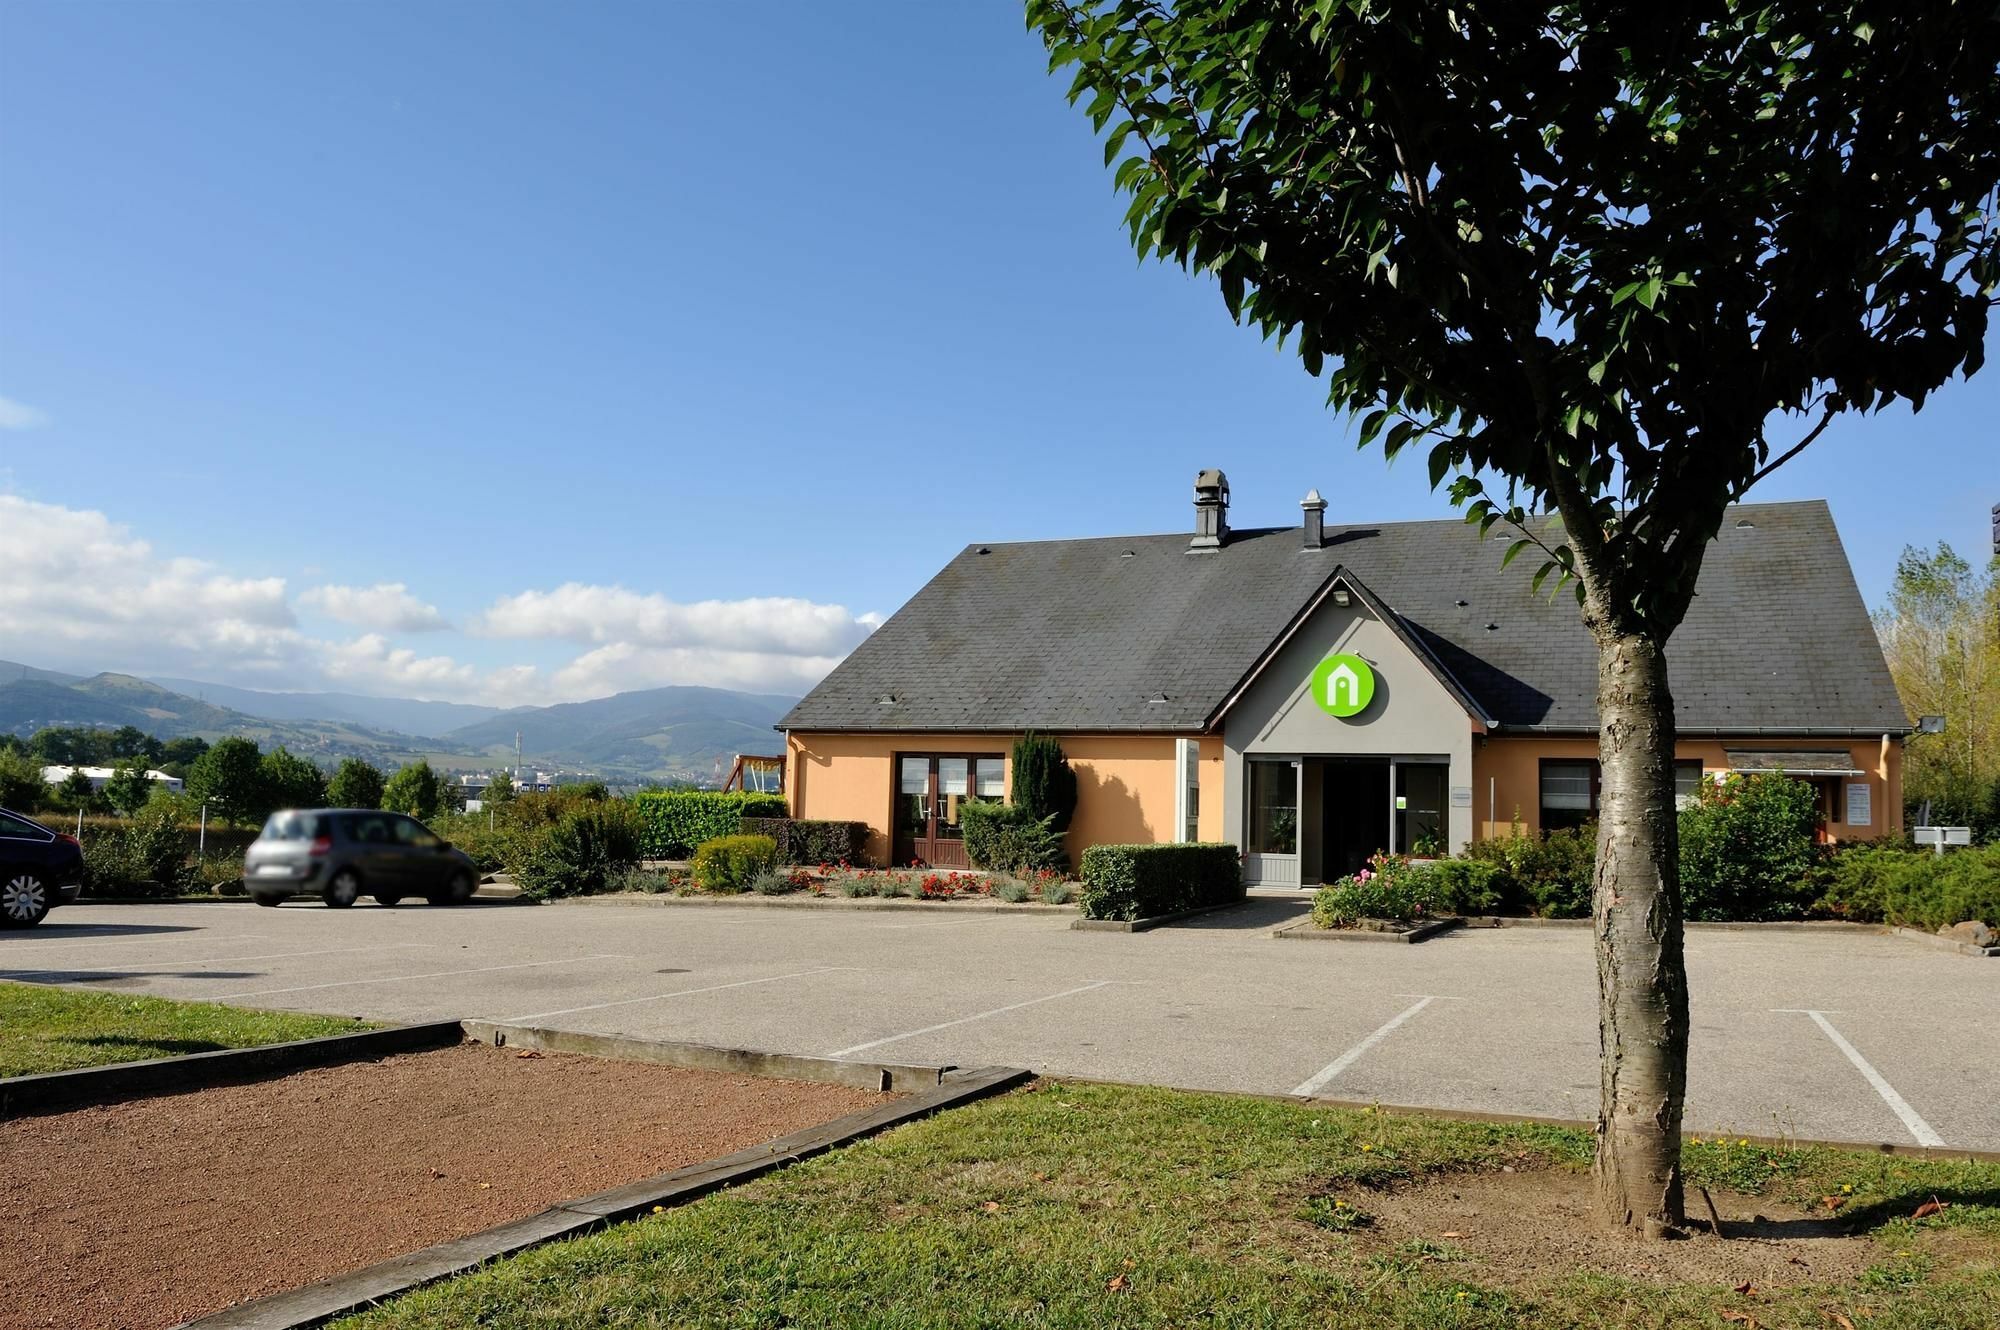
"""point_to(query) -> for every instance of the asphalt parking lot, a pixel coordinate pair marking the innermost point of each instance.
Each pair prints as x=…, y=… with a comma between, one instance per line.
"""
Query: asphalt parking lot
x=1832, y=1035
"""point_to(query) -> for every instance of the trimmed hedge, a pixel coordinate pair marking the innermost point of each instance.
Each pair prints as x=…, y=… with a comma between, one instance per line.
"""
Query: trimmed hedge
x=1143, y=881
x=1914, y=888
x=732, y=863
x=676, y=821
x=810, y=840
x=1009, y=838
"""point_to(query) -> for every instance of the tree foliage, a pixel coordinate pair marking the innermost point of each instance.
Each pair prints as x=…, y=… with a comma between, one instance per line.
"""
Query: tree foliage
x=415, y=789
x=1044, y=785
x=290, y=781
x=1582, y=252
x=229, y=778
x=357, y=784
x=1940, y=631
x=129, y=787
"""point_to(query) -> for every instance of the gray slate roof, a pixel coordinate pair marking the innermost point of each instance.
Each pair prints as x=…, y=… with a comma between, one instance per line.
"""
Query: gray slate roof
x=1133, y=633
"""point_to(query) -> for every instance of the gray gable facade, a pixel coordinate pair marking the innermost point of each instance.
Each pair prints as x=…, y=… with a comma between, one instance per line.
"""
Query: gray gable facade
x=1133, y=633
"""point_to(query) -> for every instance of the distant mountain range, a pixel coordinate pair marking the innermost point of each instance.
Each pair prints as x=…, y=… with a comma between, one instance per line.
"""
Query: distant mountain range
x=678, y=733
x=402, y=715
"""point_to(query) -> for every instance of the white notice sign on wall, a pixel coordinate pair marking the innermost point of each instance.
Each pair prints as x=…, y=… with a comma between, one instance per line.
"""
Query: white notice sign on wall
x=1860, y=812
x=1461, y=796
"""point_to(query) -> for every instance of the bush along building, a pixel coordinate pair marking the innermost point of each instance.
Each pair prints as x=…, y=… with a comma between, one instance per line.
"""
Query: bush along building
x=1318, y=693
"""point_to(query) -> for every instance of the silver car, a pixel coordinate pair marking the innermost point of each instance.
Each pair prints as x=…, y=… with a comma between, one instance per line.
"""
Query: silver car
x=340, y=854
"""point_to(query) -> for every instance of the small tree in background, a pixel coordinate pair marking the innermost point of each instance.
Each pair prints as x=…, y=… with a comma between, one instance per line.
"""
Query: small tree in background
x=129, y=787
x=21, y=785
x=291, y=781
x=1941, y=634
x=1590, y=255
x=357, y=784
x=500, y=789
x=1044, y=784
x=229, y=778
x=75, y=791
x=414, y=789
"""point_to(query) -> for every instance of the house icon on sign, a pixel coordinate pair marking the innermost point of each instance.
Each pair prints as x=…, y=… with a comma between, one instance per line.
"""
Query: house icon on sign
x=1343, y=679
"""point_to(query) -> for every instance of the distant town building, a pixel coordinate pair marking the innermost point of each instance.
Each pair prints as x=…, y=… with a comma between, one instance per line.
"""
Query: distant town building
x=99, y=775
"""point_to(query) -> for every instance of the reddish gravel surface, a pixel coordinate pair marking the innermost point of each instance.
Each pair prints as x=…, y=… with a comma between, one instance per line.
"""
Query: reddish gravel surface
x=147, y=1213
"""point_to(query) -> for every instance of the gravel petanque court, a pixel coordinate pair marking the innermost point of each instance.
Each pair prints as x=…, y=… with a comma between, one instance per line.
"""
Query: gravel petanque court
x=149, y=1212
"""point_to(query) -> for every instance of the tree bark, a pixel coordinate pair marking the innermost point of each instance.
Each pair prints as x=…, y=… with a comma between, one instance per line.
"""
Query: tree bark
x=1642, y=992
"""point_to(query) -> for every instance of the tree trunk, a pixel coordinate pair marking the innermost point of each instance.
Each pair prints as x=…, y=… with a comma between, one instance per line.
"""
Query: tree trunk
x=1642, y=995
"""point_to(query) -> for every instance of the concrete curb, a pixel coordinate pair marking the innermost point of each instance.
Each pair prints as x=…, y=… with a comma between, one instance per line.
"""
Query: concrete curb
x=817, y=903
x=322, y=1302
x=55, y=1090
x=1946, y=943
x=898, y=1078
x=1942, y=1152
x=1306, y=931
x=1149, y=923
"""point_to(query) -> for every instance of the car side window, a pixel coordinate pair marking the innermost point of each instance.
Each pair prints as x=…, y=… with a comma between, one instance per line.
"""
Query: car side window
x=413, y=833
x=15, y=828
x=369, y=830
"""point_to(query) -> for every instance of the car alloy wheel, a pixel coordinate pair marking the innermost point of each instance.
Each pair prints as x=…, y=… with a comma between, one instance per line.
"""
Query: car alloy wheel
x=23, y=900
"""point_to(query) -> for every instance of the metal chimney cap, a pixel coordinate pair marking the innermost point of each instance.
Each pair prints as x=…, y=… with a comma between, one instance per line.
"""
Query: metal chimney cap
x=1313, y=500
x=1211, y=478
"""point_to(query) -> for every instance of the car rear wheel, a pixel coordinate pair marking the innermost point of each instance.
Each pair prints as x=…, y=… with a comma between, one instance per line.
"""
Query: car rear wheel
x=458, y=890
x=266, y=898
x=344, y=890
x=24, y=900
x=389, y=898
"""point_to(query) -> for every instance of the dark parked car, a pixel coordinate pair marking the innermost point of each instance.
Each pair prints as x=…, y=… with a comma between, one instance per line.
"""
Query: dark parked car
x=39, y=870
x=338, y=854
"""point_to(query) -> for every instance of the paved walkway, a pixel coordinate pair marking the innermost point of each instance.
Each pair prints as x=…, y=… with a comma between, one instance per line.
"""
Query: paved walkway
x=1837, y=1035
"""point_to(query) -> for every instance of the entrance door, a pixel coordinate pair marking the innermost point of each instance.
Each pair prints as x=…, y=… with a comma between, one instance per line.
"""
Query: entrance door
x=930, y=790
x=1354, y=816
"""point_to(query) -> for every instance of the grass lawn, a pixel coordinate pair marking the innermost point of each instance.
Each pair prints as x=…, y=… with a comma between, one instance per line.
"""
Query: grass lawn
x=1081, y=1205
x=43, y=1028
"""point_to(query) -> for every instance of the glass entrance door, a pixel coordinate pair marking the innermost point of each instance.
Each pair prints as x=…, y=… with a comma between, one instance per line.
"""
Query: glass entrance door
x=930, y=791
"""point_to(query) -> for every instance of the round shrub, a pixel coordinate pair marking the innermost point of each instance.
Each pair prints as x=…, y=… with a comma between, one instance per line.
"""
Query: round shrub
x=580, y=853
x=1747, y=847
x=733, y=863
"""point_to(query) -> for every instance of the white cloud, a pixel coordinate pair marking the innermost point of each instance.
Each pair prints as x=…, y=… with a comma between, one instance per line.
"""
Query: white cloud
x=81, y=592
x=610, y=615
x=78, y=579
x=19, y=415
x=385, y=607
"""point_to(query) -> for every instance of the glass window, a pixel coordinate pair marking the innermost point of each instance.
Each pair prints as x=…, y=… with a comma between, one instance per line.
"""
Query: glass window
x=1687, y=782
x=1274, y=808
x=990, y=778
x=1419, y=809
x=409, y=831
x=293, y=826
x=19, y=828
x=916, y=775
x=952, y=775
x=369, y=829
x=1190, y=789
x=1569, y=794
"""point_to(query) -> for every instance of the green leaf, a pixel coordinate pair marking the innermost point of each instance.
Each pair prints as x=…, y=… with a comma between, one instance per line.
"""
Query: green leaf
x=1513, y=551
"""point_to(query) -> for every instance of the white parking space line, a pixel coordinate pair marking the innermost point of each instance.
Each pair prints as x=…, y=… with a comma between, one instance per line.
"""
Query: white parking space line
x=223, y=960
x=679, y=992
x=1352, y=1055
x=406, y=978
x=966, y=1020
x=1918, y=1128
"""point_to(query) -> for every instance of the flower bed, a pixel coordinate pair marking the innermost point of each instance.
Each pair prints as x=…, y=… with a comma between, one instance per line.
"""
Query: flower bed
x=1397, y=893
x=843, y=880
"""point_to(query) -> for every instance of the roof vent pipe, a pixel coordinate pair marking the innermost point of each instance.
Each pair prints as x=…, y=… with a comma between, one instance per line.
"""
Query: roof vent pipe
x=1315, y=511
x=1211, y=512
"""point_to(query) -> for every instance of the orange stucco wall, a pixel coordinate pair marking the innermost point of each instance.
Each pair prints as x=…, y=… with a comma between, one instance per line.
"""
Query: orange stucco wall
x=1125, y=783
x=1508, y=773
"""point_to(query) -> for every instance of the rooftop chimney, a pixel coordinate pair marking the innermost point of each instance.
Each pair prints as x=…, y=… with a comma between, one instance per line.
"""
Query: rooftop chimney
x=1211, y=512
x=1315, y=510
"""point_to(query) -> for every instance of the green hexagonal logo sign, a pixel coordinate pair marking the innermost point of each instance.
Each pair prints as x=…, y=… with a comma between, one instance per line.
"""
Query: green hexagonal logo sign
x=1343, y=685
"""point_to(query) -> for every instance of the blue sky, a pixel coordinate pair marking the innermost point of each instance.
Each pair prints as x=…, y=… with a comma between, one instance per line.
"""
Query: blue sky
x=566, y=319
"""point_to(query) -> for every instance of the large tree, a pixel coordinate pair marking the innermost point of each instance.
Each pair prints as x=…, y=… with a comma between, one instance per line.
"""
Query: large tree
x=1941, y=633
x=358, y=784
x=229, y=778
x=1594, y=260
